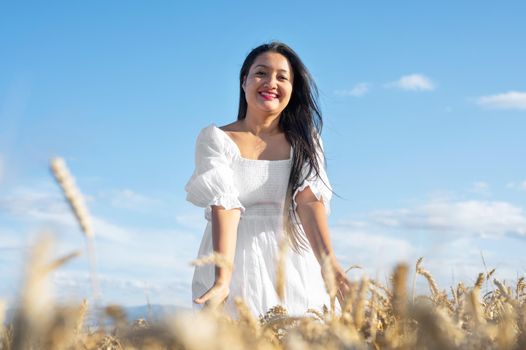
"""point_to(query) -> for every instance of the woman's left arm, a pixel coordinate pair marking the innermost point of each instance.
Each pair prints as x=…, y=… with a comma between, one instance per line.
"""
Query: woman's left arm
x=313, y=217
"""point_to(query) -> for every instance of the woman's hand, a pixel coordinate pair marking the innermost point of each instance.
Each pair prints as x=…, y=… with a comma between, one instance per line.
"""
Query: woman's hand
x=335, y=273
x=343, y=284
x=215, y=296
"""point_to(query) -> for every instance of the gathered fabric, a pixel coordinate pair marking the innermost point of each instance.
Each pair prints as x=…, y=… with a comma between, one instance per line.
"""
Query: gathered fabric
x=258, y=188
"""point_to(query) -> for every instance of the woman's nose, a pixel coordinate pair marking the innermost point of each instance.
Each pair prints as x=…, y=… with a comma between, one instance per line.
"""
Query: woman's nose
x=272, y=81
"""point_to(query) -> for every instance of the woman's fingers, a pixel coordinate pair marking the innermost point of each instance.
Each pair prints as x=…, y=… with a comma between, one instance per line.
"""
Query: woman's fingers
x=339, y=296
x=343, y=292
x=205, y=297
x=344, y=287
x=214, y=296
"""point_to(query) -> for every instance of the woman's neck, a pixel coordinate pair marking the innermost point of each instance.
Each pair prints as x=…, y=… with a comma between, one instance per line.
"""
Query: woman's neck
x=257, y=124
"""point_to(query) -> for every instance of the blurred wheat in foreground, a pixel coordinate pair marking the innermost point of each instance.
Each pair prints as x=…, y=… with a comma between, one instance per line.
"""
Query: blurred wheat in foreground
x=374, y=316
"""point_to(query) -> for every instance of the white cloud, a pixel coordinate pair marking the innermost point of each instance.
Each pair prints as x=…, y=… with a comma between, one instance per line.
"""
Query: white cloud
x=123, y=290
x=486, y=218
x=521, y=186
x=367, y=245
x=43, y=205
x=9, y=239
x=112, y=232
x=129, y=256
x=128, y=199
x=461, y=261
x=193, y=220
x=40, y=204
x=358, y=90
x=378, y=245
x=480, y=187
x=414, y=82
x=82, y=279
x=377, y=252
x=508, y=100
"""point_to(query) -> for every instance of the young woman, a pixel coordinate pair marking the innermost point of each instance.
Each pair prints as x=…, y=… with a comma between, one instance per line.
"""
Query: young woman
x=261, y=179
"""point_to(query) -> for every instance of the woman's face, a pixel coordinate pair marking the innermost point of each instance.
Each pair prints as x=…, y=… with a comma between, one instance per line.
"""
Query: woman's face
x=268, y=84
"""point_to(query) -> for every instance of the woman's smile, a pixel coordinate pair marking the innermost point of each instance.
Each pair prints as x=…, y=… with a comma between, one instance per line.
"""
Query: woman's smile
x=268, y=95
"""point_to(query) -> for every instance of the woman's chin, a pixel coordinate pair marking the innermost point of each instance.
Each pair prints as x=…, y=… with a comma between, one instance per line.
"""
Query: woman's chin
x=269, y=107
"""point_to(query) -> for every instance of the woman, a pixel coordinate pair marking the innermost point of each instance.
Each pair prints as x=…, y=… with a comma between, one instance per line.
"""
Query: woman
x=262, y=179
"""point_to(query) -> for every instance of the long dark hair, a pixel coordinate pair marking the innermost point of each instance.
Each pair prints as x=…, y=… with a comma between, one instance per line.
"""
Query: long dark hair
x=301, y=121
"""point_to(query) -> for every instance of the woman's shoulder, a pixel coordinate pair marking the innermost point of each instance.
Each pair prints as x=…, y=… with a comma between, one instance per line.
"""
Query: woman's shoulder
x=215, y=137
x=210, y=133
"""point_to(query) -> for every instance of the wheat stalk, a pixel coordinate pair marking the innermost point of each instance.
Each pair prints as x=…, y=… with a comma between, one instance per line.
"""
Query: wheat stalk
x=214, y=258
x=55, y=264
x=475, y=300
x=399, y=300
x=246, y=317
x=83, y=309
x=281, y=268
x=431, y=282
x=353, y=267
x=329, y=278
x=417, y=266
x=519, y=288
x=400, y=290
x=359, y=305
x=77, y=204
x=36, y=304
x=72, y=194
x=2, y=314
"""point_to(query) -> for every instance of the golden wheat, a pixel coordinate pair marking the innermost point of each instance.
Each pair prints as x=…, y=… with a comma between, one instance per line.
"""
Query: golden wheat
x=329, y=278
x=432, y=284
x=72, y=194
x=281, y=268
x=370, y=323
x=374, y=316
x=214, y=258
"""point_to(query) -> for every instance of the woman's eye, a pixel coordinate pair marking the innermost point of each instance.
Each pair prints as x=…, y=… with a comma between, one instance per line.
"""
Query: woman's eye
x=283, y=77
x=259, y=73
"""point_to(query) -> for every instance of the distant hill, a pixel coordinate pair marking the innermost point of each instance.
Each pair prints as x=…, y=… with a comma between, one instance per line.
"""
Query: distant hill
x=151, y=313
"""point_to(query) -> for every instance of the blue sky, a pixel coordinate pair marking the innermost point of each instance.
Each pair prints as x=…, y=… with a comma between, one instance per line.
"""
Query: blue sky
x=424, y=107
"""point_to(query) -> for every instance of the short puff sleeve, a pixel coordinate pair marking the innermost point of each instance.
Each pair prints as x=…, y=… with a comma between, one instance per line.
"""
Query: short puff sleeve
x=212, y=182
x=319, y=185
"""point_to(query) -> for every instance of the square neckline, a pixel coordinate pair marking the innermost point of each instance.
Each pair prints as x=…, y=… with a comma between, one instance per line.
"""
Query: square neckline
x=238, y=151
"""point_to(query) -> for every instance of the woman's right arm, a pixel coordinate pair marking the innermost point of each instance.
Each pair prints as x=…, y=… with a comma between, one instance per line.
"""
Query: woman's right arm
x=224, y=235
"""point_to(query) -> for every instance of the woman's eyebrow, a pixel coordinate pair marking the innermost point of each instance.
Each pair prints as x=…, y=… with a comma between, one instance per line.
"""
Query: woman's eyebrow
x=265, y=66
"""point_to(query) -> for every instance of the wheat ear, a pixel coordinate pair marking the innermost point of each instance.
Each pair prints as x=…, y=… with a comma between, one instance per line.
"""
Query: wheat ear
x=77, y=204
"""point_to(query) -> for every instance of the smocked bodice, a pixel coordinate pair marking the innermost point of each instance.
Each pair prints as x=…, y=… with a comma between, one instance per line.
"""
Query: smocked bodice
x=264, y=185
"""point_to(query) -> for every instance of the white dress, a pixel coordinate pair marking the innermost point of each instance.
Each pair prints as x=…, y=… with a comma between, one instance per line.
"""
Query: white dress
x=258, y=187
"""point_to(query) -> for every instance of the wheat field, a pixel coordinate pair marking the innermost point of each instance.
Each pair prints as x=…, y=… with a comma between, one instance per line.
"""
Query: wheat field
x=373, y=316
